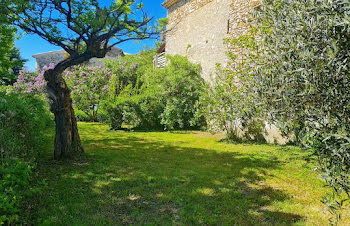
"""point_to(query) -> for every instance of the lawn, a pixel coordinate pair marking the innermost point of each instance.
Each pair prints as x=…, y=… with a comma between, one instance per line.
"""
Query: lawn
x=162, y=178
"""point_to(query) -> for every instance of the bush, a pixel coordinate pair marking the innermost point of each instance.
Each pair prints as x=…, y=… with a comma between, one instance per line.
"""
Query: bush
x=300, y=69
x=229, y=103
x=81, y=116
x=89, y=86
x=128, y=91
x=31, y=82
x=93, y=86
x=25, y=119
x=160, y=98
x=115, y=115
x=128, y=72
x=15, y=177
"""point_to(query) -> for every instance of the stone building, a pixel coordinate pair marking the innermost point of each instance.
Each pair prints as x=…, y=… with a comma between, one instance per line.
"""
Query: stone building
x=197, y=28
x=45, y=59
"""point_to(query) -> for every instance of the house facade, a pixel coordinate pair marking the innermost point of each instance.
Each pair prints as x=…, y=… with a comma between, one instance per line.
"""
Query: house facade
x=197, y=28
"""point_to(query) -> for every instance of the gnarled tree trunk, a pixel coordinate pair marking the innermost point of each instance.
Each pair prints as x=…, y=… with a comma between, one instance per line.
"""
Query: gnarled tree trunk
x=67, y=139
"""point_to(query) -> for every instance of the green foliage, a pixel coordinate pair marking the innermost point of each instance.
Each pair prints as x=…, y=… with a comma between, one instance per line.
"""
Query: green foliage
x=10, y=61
x=94, y=89
x=115, y=115
x=89, y=86
x=7, y=34
x=127, y=71
x=228, y=103
x=81, y=115
x=334, y=160
x=14, y=181
x=17, y=63
x=300, y=73
x=24, y=121
x=159, y=98
x=182, y=85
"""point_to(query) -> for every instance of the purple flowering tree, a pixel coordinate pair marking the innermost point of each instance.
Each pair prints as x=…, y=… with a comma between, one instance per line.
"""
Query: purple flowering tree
x=31, y=82
x=126, y=74
x=89, y=87
x=93, y=85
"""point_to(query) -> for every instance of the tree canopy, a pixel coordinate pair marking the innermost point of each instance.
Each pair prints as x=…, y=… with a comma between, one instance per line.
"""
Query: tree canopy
x=10, y=59
x=84, y=28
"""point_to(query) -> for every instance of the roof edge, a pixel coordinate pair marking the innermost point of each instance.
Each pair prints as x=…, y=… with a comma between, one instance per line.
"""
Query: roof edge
x=62, y=50
x=169, y=3
x=41, y=54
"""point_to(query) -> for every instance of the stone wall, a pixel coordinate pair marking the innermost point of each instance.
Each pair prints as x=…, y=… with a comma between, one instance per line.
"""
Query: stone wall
x=197, y=29
x=183, y=8
x=239, y=16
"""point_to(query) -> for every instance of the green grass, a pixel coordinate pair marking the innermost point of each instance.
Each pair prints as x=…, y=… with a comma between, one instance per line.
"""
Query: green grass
x=162, y=178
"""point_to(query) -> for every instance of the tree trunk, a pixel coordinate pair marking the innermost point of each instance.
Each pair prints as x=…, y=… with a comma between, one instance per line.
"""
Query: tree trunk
x=67, y=139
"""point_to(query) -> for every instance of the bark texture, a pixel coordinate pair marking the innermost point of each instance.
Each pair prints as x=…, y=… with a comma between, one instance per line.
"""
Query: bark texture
x=67, y=139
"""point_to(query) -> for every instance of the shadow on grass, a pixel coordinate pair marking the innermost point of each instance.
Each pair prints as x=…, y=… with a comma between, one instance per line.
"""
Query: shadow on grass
x=144, y=130
x=127, y=180
x=244, y=142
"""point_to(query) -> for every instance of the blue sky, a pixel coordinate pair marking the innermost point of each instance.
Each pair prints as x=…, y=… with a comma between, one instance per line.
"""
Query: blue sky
x=33, y=44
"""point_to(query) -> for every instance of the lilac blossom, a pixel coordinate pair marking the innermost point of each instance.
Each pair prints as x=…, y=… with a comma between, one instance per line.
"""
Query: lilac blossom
x=28, y=82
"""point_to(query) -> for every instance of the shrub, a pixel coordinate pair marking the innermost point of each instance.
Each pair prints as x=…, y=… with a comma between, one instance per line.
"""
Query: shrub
x=160, y=98
x=15, y=177
x=301, y=74
x=24, y=121
x=89, y=86
x=230, y=104
x=81, y=116
x=126, y=79
x=115, y=115
x=129, y=70
x=94, y=87
x=182, y=86
x=31, y=82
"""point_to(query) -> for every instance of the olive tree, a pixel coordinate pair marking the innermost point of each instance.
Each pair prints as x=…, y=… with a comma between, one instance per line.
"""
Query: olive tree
x=303, y=77
x=84, y=29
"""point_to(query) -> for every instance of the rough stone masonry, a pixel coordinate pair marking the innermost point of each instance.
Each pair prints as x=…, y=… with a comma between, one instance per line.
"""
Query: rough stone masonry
x=197, y=28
